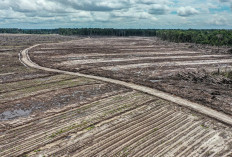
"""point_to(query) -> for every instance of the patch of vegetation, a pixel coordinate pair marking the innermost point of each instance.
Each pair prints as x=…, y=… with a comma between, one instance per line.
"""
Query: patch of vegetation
x=203, y=126
x=57, y=133
x=124, y=153
x=121, y=108
x=227, y=74
x=74, y=126
x=90, y=127
x=120, y=97
x=38, y=150
x=155, y=129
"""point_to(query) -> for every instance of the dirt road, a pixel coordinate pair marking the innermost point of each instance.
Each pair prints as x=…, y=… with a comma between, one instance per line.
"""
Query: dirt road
x=24, y=57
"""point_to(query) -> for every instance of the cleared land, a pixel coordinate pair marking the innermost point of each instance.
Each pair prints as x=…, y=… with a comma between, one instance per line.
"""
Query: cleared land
x=184, y=70
x=76, y=116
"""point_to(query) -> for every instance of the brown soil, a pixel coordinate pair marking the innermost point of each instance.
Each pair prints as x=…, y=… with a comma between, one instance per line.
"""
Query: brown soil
x=51, y=114
x=171, y=73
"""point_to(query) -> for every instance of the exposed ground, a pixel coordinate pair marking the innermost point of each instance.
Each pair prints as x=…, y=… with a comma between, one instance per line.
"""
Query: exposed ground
x=53, y=114
x=181, y=69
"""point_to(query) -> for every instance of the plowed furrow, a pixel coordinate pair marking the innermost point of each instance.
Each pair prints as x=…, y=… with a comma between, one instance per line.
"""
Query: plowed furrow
x=184, y=136
x=31, y=147
x=201, y=150
x=136, y=140
x=17, y=127
x=195, y=143
x=67, y=123
x=174, y=137
x=127, y=55
x=49, y=127
x=136, y=60
x=146, y=141
x=103, y=134
x=177, y=63
x=126, y=133
x=46, y=124
x=130, y=128
x=30, y=85
x=127, y=129
x=136, y=120
x=108, y=136
x=228, y=154
x=183, y=145
x=52, y=120
x=224, y=151
x=18, y=95
x=34, y=143
x=204, y=153
x=159, y=138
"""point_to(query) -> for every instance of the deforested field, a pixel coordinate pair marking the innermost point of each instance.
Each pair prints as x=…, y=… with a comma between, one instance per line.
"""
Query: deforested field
x=185, y=70
x=53, y=114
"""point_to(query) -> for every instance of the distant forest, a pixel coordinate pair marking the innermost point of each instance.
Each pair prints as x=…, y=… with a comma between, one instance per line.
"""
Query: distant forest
x=210, y=37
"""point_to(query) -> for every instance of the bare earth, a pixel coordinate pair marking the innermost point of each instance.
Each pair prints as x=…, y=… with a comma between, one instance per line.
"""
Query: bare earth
x=179, y=69
x=62, y=113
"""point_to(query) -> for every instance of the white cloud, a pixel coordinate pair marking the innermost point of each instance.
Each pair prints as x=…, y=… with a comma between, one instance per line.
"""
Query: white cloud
x=94, y=5
x=218, y=20
x=114, y=13
x=229, y=2
x=187, y=11
x=225, y=0
x=133, y=14
x=167, y=2
x=158, y=9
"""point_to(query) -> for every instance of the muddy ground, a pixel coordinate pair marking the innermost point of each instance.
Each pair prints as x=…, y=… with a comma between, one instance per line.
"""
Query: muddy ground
x=25, y=91
x=183, y=69
x=50, y=114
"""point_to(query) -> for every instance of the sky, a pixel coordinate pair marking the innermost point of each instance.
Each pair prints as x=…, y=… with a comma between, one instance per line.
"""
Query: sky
x=144, y=14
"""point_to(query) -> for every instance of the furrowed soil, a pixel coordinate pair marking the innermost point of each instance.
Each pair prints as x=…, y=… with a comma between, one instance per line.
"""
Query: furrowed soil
x=186, y=70
x=50, y=114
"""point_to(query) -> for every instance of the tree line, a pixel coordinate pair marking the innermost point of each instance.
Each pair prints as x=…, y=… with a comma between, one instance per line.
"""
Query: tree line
x=29, y=31
x=107, y=32
x=84, y=31
x=210, y=37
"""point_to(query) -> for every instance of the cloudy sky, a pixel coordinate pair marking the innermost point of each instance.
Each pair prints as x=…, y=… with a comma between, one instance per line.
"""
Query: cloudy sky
x=181, y=14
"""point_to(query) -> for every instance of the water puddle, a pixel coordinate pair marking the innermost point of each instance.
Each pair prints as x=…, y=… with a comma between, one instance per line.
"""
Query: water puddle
x=7, y=115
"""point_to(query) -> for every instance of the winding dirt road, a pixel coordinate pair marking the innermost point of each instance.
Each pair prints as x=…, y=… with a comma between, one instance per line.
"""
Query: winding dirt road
x=25, y=59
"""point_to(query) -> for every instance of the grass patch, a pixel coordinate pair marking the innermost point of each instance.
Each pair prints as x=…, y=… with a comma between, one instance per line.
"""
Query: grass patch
x=117, y=98
x=90, y=127
x=203, y=126
x=74, y=126
x=155, y=129
x=227, y=74
x=38, y=150
x=120, y=109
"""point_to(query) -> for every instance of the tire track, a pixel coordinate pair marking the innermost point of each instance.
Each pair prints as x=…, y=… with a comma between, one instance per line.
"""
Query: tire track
x=180, y=101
